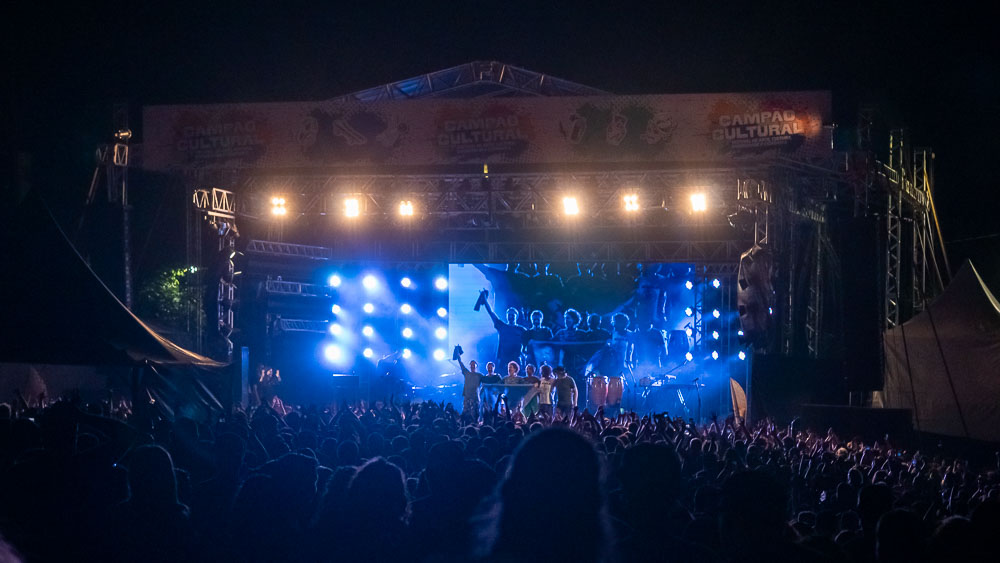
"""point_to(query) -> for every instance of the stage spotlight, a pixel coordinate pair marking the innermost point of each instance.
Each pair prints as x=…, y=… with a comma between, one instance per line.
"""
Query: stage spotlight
x=689, y=356
x=770, y=310
x=699, y=203
x=742, y=355
x=368, y=331
x=716, y=283
x=334, y=280
x=369, y=308
x=570, y=206
x=688, y=284
x=406, y=282
x=715, y=355
x=631, y=202
x=407, y=332
x=370, y=282
x=352, y=207
x=689, y=311
x=739, y=332
x=441, y=333
x=442, y=312
x=333, y=353
x=441, y=284
x=278, y=206
x=335, y=309
x=689, y=332
x=405, y=309
x=715, y=334
x=336, y=329
x=716, y=313
x=406, y=208
x=407, y=353
x=368, y=352
x=439, y=354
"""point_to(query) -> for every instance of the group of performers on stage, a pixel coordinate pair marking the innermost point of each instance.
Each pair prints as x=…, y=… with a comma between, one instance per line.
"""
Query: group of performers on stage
x=602, y=360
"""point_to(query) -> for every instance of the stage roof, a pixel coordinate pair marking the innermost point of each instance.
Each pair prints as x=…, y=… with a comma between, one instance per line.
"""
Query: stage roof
x=476, y=79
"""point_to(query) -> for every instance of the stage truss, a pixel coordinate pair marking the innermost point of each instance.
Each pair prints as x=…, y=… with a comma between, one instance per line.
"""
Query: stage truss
x=505, y=214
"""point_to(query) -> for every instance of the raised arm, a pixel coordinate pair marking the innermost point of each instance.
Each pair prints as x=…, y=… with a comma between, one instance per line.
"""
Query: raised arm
x=493, y=315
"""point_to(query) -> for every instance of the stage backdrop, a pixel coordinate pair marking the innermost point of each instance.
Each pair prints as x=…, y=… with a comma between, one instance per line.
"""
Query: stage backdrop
x=677, y=128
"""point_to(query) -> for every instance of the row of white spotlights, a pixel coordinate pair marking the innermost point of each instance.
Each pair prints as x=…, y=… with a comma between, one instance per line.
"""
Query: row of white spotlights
x=370, y=282
x=335, y=353
x=571, y=205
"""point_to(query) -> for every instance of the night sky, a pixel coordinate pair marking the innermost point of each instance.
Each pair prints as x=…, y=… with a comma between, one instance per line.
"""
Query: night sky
x=928, y=68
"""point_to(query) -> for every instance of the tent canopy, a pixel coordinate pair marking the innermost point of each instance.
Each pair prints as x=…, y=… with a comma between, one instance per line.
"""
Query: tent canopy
x=57, y=311
x=944, y=364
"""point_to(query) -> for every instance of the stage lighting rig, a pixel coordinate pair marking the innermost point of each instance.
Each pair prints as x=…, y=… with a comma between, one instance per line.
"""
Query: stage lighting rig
x=352, y=207
x=570, y=206
x=406, y=208
x=278, y=208
x=631, y=202
x=699, y=203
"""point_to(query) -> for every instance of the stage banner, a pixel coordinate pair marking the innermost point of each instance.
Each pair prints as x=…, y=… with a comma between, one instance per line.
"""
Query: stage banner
x=677, y=128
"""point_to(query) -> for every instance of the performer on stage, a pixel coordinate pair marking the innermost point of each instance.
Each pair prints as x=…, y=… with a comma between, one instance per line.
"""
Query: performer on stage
x=531, y=400
x=512, y=370
x=510, y=335
x=545, y=386
x=473, y=381
x=567, y=393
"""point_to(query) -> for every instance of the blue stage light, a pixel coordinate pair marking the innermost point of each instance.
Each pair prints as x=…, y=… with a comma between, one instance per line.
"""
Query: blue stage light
x=442, y=312
x=370, y=282
x=333, y=353
x=689, y=356
x=688, y=284
x=335, y=309
x=369, y=308
x=368, y=331
x=441, y=284
x=689, y=332
x=405, y=309
x=689, y=311
x=407, y=332
x=441, y=333
x=715, y=355
x=742, y=355
x=716, y=313
x=336, y=329
x=439, y=354
x=368, y=352
x=334, y=280
x=770, y=311
x=406, y=282
x=716, y=283
x=715, y=334
x=407, y=353
x=739, y=333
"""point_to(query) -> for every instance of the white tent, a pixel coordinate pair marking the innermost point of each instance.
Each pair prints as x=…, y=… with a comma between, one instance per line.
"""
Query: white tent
x=944, y=364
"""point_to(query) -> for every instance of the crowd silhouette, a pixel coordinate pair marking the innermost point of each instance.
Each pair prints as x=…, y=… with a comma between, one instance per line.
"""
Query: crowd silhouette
x=418, y=482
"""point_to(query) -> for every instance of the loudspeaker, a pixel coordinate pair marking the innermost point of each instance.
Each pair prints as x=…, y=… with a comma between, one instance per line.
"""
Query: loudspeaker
x=755, y=293
x=861, y=261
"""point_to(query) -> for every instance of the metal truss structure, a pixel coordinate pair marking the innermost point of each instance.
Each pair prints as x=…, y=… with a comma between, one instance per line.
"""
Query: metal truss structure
x=474, y=79
x=218, y=207
x=900, y=193
x=512, y=214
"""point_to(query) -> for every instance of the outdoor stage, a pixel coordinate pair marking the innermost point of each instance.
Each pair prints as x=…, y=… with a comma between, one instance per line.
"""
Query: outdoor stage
x=484, y=175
